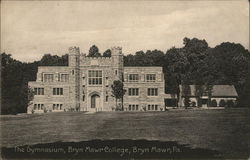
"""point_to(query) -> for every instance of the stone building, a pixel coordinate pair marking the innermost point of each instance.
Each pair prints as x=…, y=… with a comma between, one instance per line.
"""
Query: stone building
x=85, y=85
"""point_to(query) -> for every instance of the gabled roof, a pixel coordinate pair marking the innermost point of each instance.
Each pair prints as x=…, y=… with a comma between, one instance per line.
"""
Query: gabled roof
x=217, y=91
x=224, y=90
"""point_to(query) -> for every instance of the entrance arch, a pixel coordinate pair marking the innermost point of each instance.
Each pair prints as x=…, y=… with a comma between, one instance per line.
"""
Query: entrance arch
x=95, y=101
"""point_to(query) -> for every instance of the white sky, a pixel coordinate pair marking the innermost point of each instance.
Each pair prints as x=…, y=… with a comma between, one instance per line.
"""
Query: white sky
x=30, y=29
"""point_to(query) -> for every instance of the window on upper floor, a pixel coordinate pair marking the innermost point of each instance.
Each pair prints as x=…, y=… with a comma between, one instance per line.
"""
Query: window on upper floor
x=95, y=77
x=64, y=77
x=150, y=77
x=57, y=91
x=152, y=91
x=133, y=91
x=38, y=91
x=48, y=77
x=133, y=77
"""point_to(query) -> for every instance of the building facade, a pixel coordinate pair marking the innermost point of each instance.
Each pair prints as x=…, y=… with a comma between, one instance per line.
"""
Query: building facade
x=85, y=85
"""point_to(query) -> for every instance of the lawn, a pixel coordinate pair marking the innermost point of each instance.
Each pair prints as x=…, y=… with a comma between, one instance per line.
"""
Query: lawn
x=226, y=131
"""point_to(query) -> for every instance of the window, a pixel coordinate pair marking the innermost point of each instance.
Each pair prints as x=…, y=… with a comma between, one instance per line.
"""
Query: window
x=48, y=77
x=133, y=107
x=156, y=107
x=38, y=106
x=64, y=77
x=152, y=91
x=133, y=77
x=38, y=91
x=133, y=91
x=107, y=98
x=57, y=106
x=150, y=77
x=57, y=91
x=95, y=77
x=153, y=107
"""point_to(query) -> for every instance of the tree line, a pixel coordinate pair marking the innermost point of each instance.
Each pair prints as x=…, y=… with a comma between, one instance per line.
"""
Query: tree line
x=193, y=63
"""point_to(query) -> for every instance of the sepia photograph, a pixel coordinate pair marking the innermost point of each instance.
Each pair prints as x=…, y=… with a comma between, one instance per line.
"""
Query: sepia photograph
x=116, y=79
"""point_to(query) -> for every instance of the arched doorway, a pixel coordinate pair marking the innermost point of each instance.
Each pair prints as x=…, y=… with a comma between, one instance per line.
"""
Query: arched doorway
x=95, y=101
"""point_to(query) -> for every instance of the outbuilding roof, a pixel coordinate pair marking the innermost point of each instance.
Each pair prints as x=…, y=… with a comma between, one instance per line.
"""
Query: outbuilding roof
x=217, y=90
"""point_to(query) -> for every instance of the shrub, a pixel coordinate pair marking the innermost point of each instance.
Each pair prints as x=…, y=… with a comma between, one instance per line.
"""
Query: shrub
x=193, y=104
x=186, y=102
x=213, y=103
x=230, y=103
x=222, y=103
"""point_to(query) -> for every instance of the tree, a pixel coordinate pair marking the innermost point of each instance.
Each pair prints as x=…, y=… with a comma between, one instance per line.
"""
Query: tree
x=107, y=53
x=194, y=50
x=94, y=51
x=186, y=93
x=54, y=60
x=209, y=89
x=199, y=90
x=28, y=96
x=230, y=103
x=186, y=102
x=230, y=63
x=118, y=91
x=15, y=76
x=174, y=67
x=129, y=60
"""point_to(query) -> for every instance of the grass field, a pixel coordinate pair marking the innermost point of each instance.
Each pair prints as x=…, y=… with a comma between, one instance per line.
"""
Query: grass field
x=226, y=131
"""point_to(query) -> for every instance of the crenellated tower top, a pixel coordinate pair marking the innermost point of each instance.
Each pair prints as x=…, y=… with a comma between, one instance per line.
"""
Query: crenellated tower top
x=117, y=62
x=116, y=50
x=74, y=50
x=74, y=56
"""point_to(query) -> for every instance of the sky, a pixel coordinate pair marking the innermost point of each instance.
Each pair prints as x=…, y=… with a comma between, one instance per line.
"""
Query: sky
x=30, y=29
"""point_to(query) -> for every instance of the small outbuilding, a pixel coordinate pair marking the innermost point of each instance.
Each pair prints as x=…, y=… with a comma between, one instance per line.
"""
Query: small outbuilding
x=208, y=96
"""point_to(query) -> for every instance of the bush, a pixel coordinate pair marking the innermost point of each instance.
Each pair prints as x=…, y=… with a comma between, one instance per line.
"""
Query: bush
x=222, y=103
x=230, y=103
x=193, y=104
x=213, y=103
x=186, y=102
